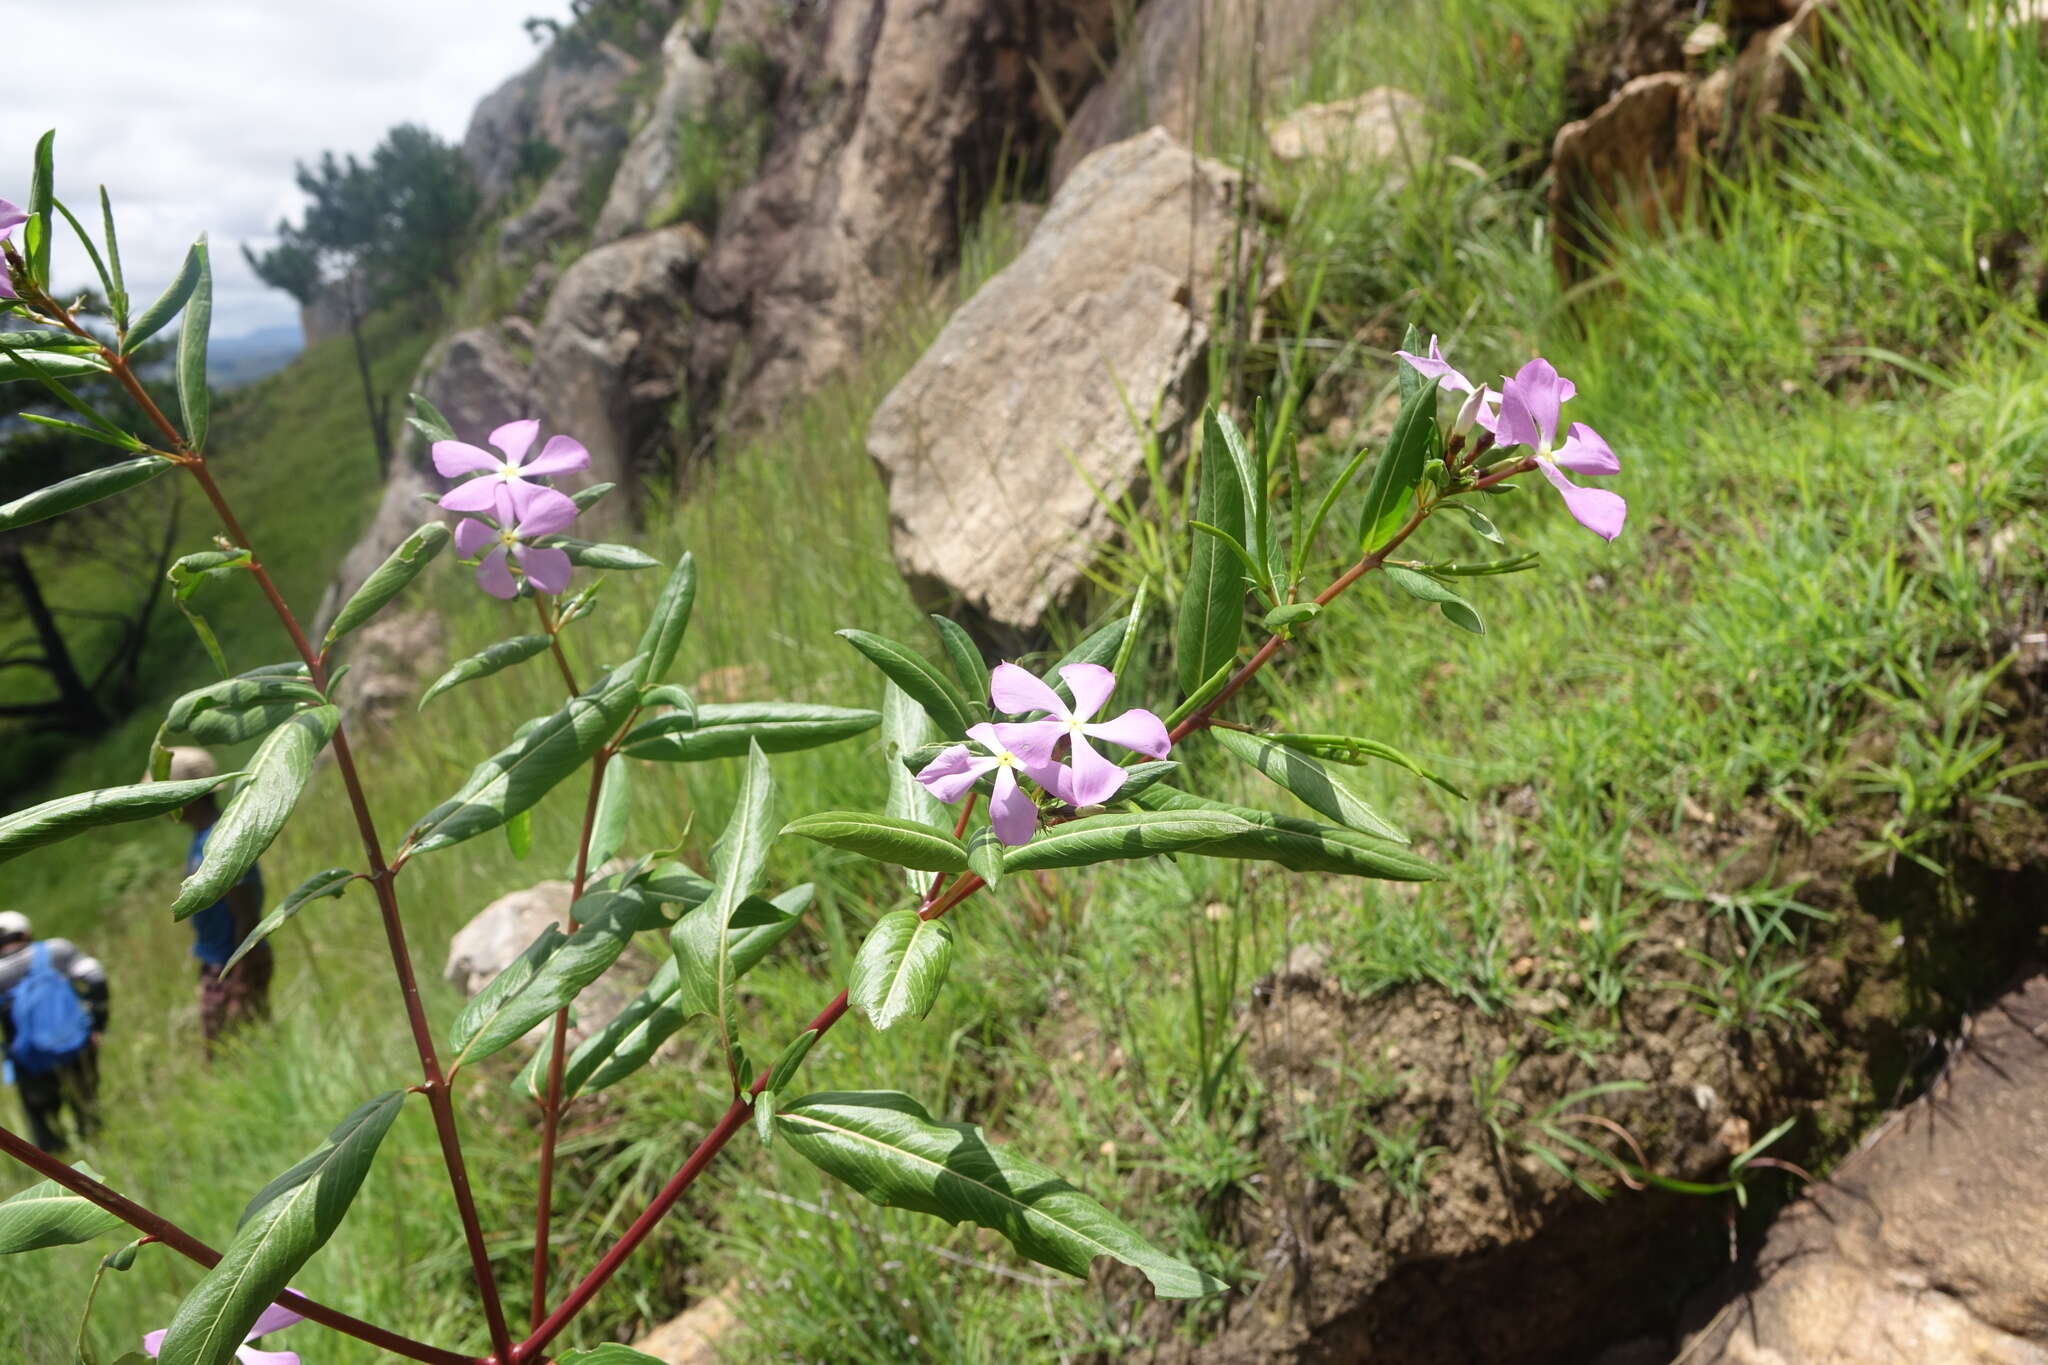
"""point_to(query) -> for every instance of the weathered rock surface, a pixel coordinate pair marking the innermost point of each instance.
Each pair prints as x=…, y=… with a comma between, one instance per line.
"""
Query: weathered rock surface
x=388, y=661
x=895, y=119
x=692, y=1337
x=990, y=443
x=1186, y=62
x=649, y=163
x=1929, y=1245
x=611, y=346
x=1382, y=125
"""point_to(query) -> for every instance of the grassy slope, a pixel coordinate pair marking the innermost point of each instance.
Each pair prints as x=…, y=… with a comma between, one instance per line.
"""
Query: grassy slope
x=1794, y=561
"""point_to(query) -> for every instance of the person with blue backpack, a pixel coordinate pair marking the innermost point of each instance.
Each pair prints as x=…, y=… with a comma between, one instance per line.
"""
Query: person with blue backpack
x=53, y=1009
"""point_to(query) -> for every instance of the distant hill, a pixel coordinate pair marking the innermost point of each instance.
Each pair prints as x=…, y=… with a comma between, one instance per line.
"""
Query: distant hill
x=235, y=361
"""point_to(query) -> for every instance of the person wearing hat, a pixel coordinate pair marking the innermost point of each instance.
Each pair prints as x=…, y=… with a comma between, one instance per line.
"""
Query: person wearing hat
x=225, y=1001
x=52, y=1036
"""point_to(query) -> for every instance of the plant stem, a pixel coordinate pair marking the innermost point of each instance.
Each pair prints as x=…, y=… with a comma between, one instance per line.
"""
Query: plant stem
x=160, y=1229
x=549, y=624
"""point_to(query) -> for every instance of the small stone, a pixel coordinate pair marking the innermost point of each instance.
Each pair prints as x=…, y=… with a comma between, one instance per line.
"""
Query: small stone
x=1705, y=39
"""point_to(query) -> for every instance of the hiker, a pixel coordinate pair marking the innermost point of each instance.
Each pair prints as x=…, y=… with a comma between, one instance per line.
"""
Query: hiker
x=225, y=1001
x=52, y=1036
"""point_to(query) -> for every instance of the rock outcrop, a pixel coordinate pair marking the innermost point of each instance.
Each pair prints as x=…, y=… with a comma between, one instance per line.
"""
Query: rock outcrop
x=648, y=169
x=991, y=443
x=388, y=661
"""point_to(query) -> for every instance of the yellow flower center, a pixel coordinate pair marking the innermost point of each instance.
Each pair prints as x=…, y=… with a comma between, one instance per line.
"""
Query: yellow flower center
x=508, y=537
x=508, y=471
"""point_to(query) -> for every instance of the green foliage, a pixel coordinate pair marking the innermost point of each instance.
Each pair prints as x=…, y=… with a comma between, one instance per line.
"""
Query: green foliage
x=48, y=1215
x=901, y=968
x=80, y=490
x=389, y=579
x=906, y=843
x=277, y=774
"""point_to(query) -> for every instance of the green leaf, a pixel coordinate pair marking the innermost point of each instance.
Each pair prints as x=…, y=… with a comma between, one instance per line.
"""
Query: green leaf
x=929, y=688
x=428, y=421
x=80, y=490
x=885, y=1145
x=48, y=364
x=496, y=658
x=42, y=339
x=1139, y=600
x=117, y=296
x=985, y=856
x=904, y=727
x=1293, y=614
x=1318, y=788
x=702, y=939
x=400, y=568
x=610, y=1354
x=159, y=314
x=1115, y=838
x=1298, y=845
x=906, y=843
x=193, y=399
x=792, y=1057
x=92, y=252
x=69, y=815
x=1409, y=379
x=724, y=730
x=629, y=1039
x=614, y=809
x=42, y=187
x=1212, y=602
x=588, y=496
x=119, y=440
x=283, y=1226
x=1352, y=749
x=593, y=555
x=48, y=1215
x=331, y=882
x=1482, y=525
x=519, y=775
x=277, y=774
x=489, y=1005
x=1414, y=442
x=964, y=655
x=1251, y=485
x=519, y=834
x=186, y=575
x=1418, y=585
x=236, y=710
x=901, y=968
x=671, y=617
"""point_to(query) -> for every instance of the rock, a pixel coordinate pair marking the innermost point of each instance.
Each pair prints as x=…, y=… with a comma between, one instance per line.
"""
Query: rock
x=1931, y=1243
x=611, y=348
x=533, y=295
x=1109, y=302
x=1382, y=125
x=387, y=661
x=1185, y=60
x=894, y=120
x=692, y=1337
x=501, y=931
x=649, y=164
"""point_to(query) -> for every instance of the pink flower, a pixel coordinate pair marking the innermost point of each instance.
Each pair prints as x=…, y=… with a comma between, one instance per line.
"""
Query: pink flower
x=274, y=1319
x=1093, y=779
x=1014, y=814
x=1531, y=405
x=548, y=569
x=11, y=217
x=504, y=484
x=1482, y=405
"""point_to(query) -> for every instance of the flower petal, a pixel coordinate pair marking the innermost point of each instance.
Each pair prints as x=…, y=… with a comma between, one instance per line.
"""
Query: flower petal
x=6, y=285
x=1011, y=810
x=477, y=495
x=153, y=1342
x=1584, y=452
x=547, y=569
x=275, y=1318
x=953, y=773
x=495, y=576
x=11, y=216
x=1434, y=366
x=542, y=511
x=1031, y=741
x=1091, y=685
x=1016, y=692
x=515, y=438
x=1095, y=778
x=472, y=535
x=1542, y=392
x=249, y=1355
x=1136, y=729
x=1596, y=509
x=455, y=458
x=561, y=455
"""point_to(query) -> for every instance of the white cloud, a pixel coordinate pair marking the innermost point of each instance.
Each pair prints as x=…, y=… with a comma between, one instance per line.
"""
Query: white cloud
x=193, y=113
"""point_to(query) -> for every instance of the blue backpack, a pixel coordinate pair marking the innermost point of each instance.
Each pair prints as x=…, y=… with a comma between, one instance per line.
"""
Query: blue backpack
x=51, y=1023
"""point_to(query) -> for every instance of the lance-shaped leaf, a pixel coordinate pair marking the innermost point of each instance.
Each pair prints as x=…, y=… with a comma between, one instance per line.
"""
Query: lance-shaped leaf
x=239, y=709
x=940, y=697
x=331, y=882
x=905, y=843
x=702, y=939
x=724, y=730
x=193, y=400
x=489, y=1004
x=614, y=809
x=1456, y=609
x=592, y=555
x=427, y=419
x=590, y=495
x=609, y=1354
x=1101, y=646
x=1413, y=443
x=482, y=664
x=1212, y=603
x=158, y=315
x=1352, y=749
x=1298, y=845
x=664, y=633
x=185, y=577
x=901, y=968
x=609, y=919
x=985, y=856
x=50, y=365
x=905, y=727
x=885, y=1145
x=519, y=775
x=964, y=655
x=80, y=490
x=289, y=1220
x=400, y=568
x=48, y=1215
x=42, y=191
x=1319, y=789
x=69, y=815
x=1116, y=838
x=277, y=774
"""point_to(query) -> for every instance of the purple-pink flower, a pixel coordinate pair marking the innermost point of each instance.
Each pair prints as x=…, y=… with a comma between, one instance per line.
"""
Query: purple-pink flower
x=274, y=1319
x=1481, y=406
x=504, y=484
x=1531, y=405
x=1092, y=779
x=509, y=541
x=11, y=217
x=954, y=772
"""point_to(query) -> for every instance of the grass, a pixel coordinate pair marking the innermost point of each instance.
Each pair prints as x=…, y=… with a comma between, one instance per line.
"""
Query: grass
x=1825, y=419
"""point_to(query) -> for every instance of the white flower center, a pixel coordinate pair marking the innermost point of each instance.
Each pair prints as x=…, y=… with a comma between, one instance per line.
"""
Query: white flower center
x=508, y=471
x=1005, y=759
x=508, y=537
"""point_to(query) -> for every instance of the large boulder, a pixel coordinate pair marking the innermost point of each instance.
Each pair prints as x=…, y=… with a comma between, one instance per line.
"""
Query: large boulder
x=610, y=348
x=991, y=442
x=894, y=120
x=1931, y=1243
x=648, y=167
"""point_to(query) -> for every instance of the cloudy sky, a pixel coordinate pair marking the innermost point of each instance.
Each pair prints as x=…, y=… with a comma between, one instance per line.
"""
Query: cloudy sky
x=193, y=112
